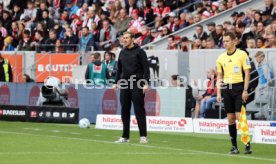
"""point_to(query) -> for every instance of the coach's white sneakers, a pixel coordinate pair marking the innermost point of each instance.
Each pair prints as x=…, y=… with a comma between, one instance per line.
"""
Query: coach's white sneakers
x=122, y=140
x=143, y=140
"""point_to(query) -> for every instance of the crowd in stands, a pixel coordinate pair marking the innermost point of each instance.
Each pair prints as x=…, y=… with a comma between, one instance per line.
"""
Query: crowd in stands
x=49, y=25
x=254, y=28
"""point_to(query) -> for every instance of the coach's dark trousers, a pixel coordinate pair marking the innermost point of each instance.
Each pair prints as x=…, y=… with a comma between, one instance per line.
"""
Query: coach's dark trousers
x=136, y=96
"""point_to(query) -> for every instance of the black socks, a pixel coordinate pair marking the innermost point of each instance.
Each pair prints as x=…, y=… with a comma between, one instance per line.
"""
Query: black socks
x=233, y=134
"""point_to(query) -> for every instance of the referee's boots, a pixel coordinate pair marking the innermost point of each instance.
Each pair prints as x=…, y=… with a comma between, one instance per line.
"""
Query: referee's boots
x=247, y=149
x=234, y=150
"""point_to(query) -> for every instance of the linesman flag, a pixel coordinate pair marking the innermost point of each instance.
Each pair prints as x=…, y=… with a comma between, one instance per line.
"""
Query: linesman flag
x=243, y=126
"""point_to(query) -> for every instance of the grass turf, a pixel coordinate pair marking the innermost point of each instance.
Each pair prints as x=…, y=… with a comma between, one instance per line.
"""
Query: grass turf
x=22, y=142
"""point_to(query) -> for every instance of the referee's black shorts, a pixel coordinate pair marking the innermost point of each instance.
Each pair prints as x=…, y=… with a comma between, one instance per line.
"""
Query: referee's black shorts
x=232, y=97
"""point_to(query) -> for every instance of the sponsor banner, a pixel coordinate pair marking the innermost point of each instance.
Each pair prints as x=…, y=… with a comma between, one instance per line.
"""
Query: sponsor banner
x=73, y=97
x=170, y=124
x=264, y=135
x=165, y=124
x=152, y=103
x=15, y=61
x=58, y=65
x=5, y=94
x=39, y=114
x=217, y=126
x=210, y=126
x=109, y=102
x=34, y=95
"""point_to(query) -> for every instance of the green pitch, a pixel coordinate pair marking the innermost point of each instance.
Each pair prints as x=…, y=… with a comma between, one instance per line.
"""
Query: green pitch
x=39, y=143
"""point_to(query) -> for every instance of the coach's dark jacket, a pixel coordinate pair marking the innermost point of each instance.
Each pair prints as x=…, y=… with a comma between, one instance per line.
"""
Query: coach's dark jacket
x=133, y=62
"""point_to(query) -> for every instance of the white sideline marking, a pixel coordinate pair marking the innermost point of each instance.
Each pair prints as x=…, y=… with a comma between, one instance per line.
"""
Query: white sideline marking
x=55, y=131
x=75, y=133
x=164, y=141
x=147, y=146
x=97, y=135
x=35, y=129
x=114, y=153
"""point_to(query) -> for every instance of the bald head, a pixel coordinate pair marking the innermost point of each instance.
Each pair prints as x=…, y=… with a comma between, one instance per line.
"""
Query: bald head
x=211, y=73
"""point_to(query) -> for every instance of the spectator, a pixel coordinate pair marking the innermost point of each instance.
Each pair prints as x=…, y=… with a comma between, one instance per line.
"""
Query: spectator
x=107, y=36
x=212, y=30
x=257, y=17
x=104, y=16
x=171, y=44
x=7, y=20
x=266, y=76
x=165, y=31
x=185, y=44
x=115, y=10
x=200, y=8
x=172, y=4
x=268, y=5
x=58, y=47
x=161, y=9
x=95, y=32
x=260, y=42
x=71, y=7
x=122, y=22
x=147, y=13
x=16, y=12
x=205, y=15
x=158, y=23
x=82, y=12
x=155, y=35
x=27, y=79
x=200, y=34
x=197, y=44
x=183, y=21
x=206, y=100
x=137, y=22
x=3, y=30
x=240, y=30
x=146, y=37
x=42, y=7
x=14, y=33
x=91, y=17
x=219, y=36
x=260, y=29
x=8, y=44
x=251, y=43
x=175, y=81
x=70, y=41
x=29, y=15
x=215, y=7
x=176, y=25
x=131, y=6
x=75, y=23
x=48, y=22
x=171, y=20
x=234, y=17
x=86, y=42
x=197, y=18
x=25, y=42
x=266, y=18
x=210, y=44
x=39, y=43
x=51, y=42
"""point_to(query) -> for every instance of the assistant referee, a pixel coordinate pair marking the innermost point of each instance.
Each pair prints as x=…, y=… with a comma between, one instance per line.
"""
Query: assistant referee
x=233, y=67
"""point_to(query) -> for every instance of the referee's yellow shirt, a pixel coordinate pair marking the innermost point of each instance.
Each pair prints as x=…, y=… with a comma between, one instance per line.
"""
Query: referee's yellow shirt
x=231, y=66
